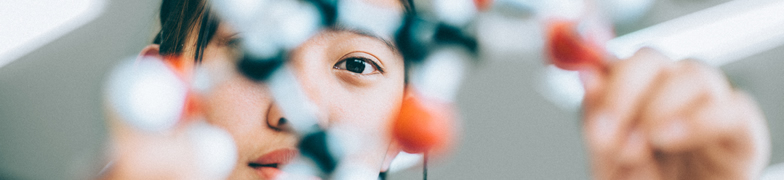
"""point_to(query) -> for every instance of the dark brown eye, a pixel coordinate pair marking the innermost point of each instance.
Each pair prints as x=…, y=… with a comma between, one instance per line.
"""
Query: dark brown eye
x=357, y=65
x=234, y=42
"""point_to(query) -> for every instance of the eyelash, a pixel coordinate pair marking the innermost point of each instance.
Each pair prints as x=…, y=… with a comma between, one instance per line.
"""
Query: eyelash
x=366, y=60
x=233, y=42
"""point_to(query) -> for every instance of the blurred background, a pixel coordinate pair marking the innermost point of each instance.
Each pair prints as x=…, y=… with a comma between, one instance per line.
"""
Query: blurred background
x=52, y=122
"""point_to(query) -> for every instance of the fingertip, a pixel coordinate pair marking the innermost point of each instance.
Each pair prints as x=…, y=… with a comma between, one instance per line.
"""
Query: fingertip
x=649, y=52
x=645, y=58
x=646, y=50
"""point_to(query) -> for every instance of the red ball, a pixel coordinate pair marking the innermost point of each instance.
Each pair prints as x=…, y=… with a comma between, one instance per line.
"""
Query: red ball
x=424, y=126
x=568, y=50
x=183, y=68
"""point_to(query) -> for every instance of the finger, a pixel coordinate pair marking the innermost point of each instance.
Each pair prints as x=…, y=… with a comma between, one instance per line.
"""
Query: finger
x=649, y=170
x=635, y=161
x=602, y=167
x=742, y=143
x=593, y=80
x=758, y=131
x=635, y=151
x=602, y=117
x=610, y=114
x=695, y=110
x=674, y=116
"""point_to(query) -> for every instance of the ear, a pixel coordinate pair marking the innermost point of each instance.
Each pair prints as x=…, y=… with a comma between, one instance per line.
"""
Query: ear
x=392, y=152
x=152, y=50
x=182, y=67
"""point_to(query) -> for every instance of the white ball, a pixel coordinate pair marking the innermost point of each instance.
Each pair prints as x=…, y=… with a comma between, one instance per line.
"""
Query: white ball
x=147, y=94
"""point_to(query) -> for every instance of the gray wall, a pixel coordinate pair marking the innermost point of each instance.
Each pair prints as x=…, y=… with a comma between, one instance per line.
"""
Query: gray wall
x=51, y=117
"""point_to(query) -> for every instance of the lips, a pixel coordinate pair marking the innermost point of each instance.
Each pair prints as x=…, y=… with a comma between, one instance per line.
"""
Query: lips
x=268, y=166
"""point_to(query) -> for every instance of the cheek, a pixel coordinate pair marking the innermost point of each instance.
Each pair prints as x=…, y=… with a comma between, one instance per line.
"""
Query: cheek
x=369, y=108
x=238, y=106
x=233, y=102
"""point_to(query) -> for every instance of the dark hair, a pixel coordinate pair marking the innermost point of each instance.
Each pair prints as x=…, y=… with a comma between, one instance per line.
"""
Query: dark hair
x=179, y=18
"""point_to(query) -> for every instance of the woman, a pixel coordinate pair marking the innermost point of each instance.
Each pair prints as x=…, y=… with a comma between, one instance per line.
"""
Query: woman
x=353, y=79
x=358, y=80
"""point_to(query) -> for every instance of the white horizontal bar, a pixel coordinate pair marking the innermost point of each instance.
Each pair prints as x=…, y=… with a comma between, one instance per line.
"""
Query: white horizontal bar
x=717, y=35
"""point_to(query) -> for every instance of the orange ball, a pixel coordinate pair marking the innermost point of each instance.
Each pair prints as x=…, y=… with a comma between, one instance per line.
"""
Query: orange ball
x=193, y=107
x=483, y=5
x=424, y=126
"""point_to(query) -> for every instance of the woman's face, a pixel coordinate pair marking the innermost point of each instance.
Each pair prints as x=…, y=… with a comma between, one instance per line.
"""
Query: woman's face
x=355, y=80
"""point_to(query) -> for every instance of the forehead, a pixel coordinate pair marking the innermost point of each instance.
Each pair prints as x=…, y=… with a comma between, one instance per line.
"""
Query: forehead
x=394, y=4
x=383, y=8
x=340, y=29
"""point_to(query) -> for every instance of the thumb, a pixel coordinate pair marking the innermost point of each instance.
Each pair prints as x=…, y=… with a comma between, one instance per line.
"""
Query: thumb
x=593, y=82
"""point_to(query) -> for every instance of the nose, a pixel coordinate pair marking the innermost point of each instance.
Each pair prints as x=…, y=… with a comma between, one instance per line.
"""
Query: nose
x=276, y=120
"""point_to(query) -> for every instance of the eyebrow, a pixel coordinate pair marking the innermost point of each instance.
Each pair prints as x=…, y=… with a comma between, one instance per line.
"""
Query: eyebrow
x=361, y=32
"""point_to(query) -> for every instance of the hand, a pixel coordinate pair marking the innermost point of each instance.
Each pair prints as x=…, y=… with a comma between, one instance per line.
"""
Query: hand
x=647, y=117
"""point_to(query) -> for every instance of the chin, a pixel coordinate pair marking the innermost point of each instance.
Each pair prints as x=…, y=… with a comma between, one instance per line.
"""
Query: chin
x=242, y=171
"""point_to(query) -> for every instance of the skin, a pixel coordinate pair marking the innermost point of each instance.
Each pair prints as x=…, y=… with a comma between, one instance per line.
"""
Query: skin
x=650, y=118
x=365, y=103
x=645, y=117
x=362, y=104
